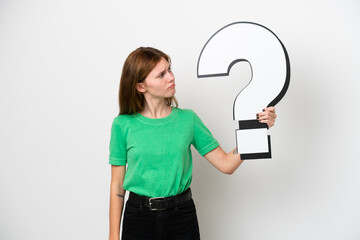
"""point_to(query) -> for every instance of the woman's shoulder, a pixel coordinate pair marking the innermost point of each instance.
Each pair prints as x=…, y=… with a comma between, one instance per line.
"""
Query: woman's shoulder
x=124, y=118
x=185, y=111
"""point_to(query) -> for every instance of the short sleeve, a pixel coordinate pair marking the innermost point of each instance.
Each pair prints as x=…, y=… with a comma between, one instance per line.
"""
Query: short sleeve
x=203, y=140
x=117, y=148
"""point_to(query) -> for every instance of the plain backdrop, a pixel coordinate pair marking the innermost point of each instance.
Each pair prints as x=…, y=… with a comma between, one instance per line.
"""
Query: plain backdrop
x=60, y=65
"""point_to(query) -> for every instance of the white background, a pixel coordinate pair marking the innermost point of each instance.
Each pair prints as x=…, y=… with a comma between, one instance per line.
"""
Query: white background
x=60, y=65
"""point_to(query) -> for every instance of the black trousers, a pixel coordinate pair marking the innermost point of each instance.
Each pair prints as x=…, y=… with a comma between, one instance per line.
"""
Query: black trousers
x=179, y=223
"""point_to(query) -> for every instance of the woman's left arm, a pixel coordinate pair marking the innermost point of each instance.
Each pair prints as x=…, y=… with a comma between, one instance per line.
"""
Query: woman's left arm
x=228, y=162
x=225, y=162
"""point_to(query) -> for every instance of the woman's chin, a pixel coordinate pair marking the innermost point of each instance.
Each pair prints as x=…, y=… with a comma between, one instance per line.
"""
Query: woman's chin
x=170, y=95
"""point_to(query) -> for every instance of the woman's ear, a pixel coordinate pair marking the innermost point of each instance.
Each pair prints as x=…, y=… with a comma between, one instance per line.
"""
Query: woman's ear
x=140, y=87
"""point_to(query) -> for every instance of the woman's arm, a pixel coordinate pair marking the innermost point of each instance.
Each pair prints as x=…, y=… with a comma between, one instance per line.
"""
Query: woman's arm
x=229, y=162
x=117, y=194
x=225, y=162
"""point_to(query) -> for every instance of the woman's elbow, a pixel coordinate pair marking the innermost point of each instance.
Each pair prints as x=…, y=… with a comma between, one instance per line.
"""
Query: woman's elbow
x=227, y=170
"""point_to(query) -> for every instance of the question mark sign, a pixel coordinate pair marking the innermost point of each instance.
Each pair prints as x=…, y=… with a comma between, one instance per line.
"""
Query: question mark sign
x=270, y=67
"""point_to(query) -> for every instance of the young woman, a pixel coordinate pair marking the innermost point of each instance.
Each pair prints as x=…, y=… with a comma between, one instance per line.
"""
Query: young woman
x=153, y=137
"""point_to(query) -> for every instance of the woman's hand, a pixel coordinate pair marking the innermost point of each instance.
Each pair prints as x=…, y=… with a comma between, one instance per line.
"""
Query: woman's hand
x=268, y=116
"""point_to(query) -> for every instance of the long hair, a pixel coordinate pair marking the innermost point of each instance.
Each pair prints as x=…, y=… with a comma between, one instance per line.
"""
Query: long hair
x=136, y=68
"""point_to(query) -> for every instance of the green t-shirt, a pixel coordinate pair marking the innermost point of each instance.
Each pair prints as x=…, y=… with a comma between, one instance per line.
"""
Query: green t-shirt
x=157, y=151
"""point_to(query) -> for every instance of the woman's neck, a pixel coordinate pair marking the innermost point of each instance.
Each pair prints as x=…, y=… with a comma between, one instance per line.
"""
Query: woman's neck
x=156, y=109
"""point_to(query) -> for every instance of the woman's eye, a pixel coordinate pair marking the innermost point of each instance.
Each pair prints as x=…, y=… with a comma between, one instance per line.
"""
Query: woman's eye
x=161, y=75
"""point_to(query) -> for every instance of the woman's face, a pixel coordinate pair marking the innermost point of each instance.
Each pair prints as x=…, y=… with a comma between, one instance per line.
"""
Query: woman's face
x=160, y=83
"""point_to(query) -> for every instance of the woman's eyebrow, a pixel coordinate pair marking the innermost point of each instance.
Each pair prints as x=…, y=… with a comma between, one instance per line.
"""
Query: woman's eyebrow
x=163, y=71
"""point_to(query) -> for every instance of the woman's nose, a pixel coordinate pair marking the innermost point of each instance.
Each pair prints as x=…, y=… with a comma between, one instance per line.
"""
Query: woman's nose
x=171, y=77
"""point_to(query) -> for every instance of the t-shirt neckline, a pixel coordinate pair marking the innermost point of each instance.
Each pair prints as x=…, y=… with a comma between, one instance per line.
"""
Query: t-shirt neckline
x=158, y=120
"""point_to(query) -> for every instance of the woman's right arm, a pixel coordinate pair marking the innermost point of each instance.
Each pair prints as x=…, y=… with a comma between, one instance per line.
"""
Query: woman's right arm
x=117, y=194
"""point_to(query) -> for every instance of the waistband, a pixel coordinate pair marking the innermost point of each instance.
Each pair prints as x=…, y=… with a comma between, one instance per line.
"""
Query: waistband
x=160, y=203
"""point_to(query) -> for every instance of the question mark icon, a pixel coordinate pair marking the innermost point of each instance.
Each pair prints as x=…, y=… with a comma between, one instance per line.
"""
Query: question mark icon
x=270, y=68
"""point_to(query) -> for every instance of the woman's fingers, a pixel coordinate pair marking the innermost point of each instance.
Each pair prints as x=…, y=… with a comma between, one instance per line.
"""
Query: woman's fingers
x=268, y=116
x=268, y=122
x=263, y=116
x=271, y=109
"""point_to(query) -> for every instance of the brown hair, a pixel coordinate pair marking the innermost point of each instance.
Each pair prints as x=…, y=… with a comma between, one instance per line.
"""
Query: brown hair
x=136, y=68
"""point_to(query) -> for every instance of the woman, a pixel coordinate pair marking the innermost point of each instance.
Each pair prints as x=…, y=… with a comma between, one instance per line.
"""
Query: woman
x=153, y=137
